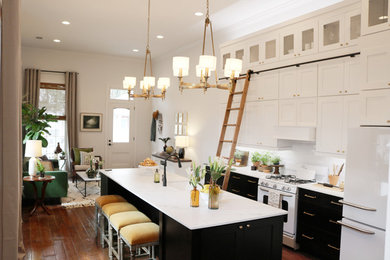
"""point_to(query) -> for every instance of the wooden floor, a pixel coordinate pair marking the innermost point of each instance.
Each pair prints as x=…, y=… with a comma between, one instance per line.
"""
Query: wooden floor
x=69, y=234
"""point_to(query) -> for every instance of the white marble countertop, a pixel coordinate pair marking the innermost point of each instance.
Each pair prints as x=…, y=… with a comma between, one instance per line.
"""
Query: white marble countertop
x=174, y=200
x=320, y=188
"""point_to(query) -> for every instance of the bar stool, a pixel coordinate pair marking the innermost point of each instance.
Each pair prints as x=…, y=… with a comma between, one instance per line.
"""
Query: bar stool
x=99, y=203
x=138, y=236
x=120, y=220
x=107, y=211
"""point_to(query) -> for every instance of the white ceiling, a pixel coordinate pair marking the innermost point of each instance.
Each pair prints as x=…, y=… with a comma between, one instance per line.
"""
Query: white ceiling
x=116, y=27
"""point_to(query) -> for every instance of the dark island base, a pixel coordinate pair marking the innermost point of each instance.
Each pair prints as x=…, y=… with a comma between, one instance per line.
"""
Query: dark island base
x=258, y=239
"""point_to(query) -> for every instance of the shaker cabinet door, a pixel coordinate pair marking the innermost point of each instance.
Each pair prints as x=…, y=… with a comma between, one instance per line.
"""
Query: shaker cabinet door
x=331, y=78
x=307, y=81
x=375, y=107
x=376, y=67
x=306, y=112
x=288, y=83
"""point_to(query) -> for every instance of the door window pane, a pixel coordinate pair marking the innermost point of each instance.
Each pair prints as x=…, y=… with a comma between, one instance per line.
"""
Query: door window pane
x=254, y=53
x=331, y=33
x=355, y=27
x=288, y=46
x=121, y=125
x=308, y=40
x=377, y=12
x=119, y=94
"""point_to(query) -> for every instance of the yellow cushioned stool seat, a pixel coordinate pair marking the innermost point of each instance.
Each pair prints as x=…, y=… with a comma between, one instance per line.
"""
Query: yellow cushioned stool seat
x=106, y=199
x=142, y=233
x=117, y=207
x=122, y=219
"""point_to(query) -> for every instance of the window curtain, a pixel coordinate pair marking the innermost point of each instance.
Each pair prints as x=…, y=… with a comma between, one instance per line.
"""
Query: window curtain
x=32, y=81
x=71, y=82
x=11, y=242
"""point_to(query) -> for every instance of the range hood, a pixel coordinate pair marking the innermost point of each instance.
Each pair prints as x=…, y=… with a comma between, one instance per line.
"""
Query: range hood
x=296, y=133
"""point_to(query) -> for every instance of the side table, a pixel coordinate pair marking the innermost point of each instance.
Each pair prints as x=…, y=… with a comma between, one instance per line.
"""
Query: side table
x=39, y=201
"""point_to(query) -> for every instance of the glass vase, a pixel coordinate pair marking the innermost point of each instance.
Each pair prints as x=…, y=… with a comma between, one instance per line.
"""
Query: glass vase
x=194, y=198
x=213, y=196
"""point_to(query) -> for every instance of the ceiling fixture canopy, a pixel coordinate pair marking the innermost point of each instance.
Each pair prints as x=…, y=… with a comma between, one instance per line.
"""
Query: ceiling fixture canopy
x=207, y=65
x=149, y=82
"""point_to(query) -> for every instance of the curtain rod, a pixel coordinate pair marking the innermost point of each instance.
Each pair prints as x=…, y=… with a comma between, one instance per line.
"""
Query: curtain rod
x=299, y=64
x=55, y=71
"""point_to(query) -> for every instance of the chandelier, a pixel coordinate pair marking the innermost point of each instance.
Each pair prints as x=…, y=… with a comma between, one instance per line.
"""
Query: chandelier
x=207, y=65
x=148, y=83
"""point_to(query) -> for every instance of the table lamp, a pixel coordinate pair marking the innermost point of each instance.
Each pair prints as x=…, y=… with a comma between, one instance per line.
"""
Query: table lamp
x=33, y=150
x=181, y=142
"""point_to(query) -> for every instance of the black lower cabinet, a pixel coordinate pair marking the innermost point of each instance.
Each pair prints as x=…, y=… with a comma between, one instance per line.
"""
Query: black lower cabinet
x=318, y=231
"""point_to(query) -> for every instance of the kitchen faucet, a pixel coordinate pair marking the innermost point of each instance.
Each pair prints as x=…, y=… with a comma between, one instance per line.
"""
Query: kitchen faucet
x=165, y=167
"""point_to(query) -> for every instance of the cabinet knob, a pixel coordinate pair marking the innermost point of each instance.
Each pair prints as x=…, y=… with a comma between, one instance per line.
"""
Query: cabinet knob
x=338, y=151
x=341, y=44
x=298, y=95
x=340, y=91
x=345, y=91
x=294, y=95
x=388, y=83
x=343, y=151
x=295, y=55
x=346, y=43
x=299, y=54
x=240, y=227
x=248, y=225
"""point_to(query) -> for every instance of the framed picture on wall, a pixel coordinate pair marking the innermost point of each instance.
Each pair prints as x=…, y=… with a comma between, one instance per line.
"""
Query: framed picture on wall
x=91, y=122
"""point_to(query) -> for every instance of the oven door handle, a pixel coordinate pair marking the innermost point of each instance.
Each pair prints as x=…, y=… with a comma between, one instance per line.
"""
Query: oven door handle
x=281, y=194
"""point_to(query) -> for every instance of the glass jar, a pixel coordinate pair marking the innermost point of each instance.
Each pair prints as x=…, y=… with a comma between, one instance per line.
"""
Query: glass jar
x=214, y=196
x=156, y=176
x=194, y=197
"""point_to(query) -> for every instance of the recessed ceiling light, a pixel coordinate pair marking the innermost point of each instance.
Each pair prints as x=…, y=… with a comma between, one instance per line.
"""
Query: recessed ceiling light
x=39, y=37
x=65, y=22
x=198, y=13
x=135, y=50
x=56, y=40
x=160, y=37
x=384, y=17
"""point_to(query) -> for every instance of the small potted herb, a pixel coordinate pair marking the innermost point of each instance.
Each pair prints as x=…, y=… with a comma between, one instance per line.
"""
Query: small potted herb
x=238, y=157
x=40, y=169
x=196, y=175
x=275, y=160
x=256, y=158
x=265, y=162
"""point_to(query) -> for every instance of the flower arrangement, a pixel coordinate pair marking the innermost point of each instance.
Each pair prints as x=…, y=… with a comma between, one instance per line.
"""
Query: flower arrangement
x=196, y=174
x=217, y=167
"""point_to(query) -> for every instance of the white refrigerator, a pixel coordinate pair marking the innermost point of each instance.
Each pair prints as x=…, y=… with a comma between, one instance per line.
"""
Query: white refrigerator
x=366, y=204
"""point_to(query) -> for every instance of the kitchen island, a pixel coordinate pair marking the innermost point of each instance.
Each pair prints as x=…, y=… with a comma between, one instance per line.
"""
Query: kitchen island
x=240, y=229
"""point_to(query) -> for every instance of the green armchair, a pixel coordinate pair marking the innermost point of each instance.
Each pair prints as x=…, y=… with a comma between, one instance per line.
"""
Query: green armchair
x=54, y=190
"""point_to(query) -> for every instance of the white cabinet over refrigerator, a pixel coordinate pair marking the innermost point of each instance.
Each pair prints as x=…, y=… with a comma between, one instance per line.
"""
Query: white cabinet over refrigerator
x=366, y=199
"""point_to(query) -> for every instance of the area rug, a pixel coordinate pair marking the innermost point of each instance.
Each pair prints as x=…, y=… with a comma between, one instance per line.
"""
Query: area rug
x=75, y=199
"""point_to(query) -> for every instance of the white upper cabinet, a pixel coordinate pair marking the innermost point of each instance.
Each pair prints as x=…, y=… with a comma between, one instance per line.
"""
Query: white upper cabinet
x=254, y=49
x=376, y=67
x=376, y=108
x=298, y=112
x=270, y=48
x=352, y=27
x=298, y=82
x=299, y=39
x=339, y=77
x=264, y=87
x=375, y=16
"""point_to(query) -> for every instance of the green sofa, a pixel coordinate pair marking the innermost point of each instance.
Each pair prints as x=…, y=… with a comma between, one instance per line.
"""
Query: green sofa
x=54, y=190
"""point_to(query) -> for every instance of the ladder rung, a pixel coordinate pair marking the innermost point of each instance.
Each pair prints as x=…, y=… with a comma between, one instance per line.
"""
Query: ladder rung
x=234, y=108
x=227, y=158
x=230, y=124
x=242, y=77
x=227, y=141
x=238, y=93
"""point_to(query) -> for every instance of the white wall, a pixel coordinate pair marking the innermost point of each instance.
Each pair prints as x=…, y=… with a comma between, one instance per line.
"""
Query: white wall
x=97, y=74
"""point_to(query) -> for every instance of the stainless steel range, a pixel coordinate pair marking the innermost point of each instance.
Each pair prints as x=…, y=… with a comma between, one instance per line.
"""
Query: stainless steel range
x=286, y=186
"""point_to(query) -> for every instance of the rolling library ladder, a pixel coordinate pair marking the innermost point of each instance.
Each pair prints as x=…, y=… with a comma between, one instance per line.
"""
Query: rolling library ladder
x=237, y=125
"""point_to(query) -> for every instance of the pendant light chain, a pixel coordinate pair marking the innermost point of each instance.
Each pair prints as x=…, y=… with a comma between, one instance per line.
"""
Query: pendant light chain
x=148, y=52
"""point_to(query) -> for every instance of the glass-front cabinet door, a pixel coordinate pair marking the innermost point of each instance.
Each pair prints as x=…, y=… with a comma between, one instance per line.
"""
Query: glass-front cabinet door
x=308, y=38
x=253, y=50
x=375, y=16
x=271, y=48
x=288, y=43
x=352, y=27
x=331, y=33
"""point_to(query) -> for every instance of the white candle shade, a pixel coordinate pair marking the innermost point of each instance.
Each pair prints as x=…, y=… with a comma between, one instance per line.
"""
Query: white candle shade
x=182, y=63
x=149, y=82
x=163, y=83
x=33, y=148
x=129, y=82
x=182, y=141
x=141, y=84
x=207, y=61
x=233, y=65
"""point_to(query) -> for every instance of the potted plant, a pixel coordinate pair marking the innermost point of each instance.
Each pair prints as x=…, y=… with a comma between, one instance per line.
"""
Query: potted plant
x=265, y=162
x=238, y=157
x=91, y=173
x=40, y=169
x=165, y=140
x=196, y=175
x=275, y=160
x=62, y=156
x=256, y=158
x=217, y=167
x=36, y=122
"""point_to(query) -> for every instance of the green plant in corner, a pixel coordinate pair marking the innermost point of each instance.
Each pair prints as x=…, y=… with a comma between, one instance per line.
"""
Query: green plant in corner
x=36, y=122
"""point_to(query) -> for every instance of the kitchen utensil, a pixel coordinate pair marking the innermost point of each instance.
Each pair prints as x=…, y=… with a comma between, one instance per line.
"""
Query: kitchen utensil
x=333, y=179
x=341, y=169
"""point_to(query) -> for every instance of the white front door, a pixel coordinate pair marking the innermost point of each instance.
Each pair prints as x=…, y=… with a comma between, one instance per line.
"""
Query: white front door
x=120, y=139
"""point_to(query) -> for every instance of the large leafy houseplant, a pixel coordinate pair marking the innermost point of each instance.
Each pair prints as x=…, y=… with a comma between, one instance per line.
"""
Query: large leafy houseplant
x=36, y=122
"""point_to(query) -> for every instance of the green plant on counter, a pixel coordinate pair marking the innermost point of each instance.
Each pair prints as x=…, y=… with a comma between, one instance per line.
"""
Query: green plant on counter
x=266, y=158
x=275, y=160
x=196, y=174
x=256, y=157
x=217, y=167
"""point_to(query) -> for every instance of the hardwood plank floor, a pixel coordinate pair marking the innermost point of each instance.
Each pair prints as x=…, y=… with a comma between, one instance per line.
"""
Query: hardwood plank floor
x=69, y=234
